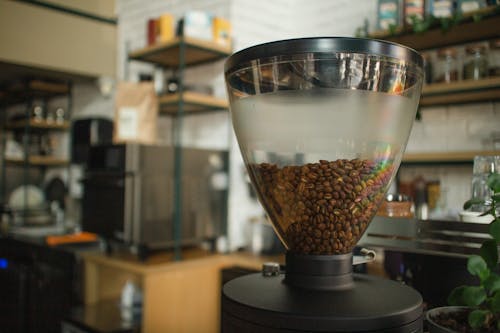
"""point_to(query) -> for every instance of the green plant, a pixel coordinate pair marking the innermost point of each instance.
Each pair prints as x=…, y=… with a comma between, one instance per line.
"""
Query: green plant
x=484, y=299
x=419, y=24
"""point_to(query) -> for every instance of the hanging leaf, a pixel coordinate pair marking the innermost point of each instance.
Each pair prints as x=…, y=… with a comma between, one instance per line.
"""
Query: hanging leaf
x=392, y=29
x=474, y=295
x=468, y=204
x=492, y=283
x=490, y=211
x=477, y=266
x=495, y=303
x=478, y=318
x=494, y=182
x=456, y=296
x=489, y=253
x=494, y=230
x=445, y=24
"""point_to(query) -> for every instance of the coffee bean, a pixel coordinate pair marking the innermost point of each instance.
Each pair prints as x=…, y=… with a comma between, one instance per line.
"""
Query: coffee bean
x=324, y=207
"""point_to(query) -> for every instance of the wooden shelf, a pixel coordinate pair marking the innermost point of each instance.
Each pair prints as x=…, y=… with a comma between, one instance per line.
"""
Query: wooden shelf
x=167, y=54
x=39, y=125
x=193, y=103
x=458, y=157
x=21, y=91
x=466, y=91
x=465, y=32
x=40, y=87
x=38, y=161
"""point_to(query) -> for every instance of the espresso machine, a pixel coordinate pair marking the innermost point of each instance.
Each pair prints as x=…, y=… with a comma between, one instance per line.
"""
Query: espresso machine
x=322, y=124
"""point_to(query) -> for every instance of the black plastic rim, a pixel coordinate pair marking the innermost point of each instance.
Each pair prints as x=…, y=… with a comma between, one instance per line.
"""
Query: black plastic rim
x=323, y=45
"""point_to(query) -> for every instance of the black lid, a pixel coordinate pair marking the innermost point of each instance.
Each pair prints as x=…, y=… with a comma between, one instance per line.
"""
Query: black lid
x=324, y=45
x=374, y=304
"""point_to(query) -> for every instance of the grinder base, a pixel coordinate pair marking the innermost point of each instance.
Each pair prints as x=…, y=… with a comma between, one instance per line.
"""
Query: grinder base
x=255, y=303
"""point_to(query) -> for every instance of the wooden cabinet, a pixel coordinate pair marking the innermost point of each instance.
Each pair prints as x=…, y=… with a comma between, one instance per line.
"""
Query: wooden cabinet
x=178, y=296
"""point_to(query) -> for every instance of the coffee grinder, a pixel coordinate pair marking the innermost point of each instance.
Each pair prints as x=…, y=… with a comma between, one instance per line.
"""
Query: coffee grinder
x=322, y=124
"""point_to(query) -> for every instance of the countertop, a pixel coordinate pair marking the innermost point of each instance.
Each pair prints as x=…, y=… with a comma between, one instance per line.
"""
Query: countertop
x=164, y=261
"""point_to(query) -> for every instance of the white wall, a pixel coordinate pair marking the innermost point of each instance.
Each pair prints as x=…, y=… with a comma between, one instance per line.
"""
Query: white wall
x=257, y=21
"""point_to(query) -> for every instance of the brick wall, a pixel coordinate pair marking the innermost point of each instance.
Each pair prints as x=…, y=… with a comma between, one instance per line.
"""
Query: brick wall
x=441, y=128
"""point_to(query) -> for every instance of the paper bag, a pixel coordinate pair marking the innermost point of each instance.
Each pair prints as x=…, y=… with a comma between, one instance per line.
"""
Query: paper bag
x=136, y=113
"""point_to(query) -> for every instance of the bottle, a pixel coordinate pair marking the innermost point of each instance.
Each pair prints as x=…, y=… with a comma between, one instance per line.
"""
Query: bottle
x=446, y=69
x=476, y=63
x=130, y=302
x=427, y=67
x=420, y=190
x=494, y=59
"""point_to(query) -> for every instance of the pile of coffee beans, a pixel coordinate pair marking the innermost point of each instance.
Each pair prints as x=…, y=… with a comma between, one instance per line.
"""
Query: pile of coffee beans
x=324, y=207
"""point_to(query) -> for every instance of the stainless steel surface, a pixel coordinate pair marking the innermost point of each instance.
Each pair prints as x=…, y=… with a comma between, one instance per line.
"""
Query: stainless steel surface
x=365, y=257
x=146, y=200
x=445, y=238
x=271, y=269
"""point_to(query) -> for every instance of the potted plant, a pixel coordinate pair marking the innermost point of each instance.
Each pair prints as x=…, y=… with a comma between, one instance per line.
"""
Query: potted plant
x=476, y=308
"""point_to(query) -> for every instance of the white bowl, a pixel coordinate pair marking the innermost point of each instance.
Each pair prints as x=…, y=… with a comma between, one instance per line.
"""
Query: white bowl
x=474, y=217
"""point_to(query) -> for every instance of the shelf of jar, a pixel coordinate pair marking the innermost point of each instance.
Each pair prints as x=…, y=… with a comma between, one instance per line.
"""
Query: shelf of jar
x=38, y=161
x=38, y=124
x=193, y=103
x=467, y=31
x=21, y=91
x=466, y=91
x=456, y=157
x=167, y=53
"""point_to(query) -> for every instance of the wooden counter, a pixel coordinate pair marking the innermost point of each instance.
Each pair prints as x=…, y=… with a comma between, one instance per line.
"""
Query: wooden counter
x=179, y=296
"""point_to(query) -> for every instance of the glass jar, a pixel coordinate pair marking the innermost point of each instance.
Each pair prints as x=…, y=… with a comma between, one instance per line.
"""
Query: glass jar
x=396, y=205
x=427, y=68
x=494, y=59
x=483, y=167
x=476, y=63
x=446, y=68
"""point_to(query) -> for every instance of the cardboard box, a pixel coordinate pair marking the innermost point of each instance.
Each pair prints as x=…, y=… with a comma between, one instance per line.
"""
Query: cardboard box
x=197, y=24
x=166, y=27
x=222, y=31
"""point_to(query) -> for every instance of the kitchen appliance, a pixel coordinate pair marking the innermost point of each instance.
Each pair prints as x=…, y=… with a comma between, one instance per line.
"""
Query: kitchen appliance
x=87, y=132
x=128, y=194
x=322, y=124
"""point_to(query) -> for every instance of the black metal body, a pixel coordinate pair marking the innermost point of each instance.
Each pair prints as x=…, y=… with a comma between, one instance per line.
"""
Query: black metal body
x=296, y=302
x=319, y=272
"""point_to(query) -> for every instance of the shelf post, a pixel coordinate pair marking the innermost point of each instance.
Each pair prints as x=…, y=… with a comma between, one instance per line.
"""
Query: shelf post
x=177, y=141
x=3, y=199
x=26, y=137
